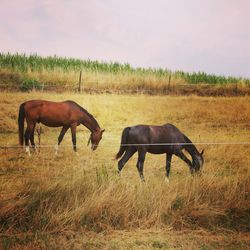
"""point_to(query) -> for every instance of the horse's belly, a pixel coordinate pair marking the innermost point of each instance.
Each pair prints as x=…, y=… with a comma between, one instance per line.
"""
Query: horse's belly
x=158, y=150
x=51, y=122
x=54, y=119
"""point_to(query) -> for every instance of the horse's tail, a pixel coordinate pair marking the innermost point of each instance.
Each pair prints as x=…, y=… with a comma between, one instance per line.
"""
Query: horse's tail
x=21, y=117
x=124, y=138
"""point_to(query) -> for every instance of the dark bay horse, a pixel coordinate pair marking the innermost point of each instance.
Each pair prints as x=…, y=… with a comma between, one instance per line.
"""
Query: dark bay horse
x=67, y=114
x=145, y=138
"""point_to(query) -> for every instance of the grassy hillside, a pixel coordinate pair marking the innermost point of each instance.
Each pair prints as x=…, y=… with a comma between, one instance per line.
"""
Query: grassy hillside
x=78, y=201
x=58, y=73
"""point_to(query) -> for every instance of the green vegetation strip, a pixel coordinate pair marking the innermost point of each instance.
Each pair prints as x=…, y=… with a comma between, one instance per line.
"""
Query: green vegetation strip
x=24, y=63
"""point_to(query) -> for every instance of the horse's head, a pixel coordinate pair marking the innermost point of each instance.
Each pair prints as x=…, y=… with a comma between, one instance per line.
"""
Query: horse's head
x=95, y=138
x=198, y=161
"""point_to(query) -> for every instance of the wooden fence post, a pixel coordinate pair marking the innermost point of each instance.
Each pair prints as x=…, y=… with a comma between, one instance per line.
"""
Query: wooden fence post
x=169, y=80
x=80, y=83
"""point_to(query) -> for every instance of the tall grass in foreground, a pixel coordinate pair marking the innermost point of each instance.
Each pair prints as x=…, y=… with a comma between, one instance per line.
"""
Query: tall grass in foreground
x=70, y=194
x=79, y=199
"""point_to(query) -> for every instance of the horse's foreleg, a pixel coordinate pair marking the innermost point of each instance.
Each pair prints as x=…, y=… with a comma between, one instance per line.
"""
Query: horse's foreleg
x=128, y=154
x=73, y=133
x=168, y=165
x=140, y=163
x=60, y=137
x=184, y=158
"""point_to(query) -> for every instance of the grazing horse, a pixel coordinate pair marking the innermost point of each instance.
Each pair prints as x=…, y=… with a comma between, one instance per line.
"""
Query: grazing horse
x=67, y=114
x=166, y=139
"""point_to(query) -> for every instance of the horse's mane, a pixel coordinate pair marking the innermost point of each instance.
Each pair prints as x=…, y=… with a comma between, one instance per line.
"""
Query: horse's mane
x=86, y=112
x=190, y=148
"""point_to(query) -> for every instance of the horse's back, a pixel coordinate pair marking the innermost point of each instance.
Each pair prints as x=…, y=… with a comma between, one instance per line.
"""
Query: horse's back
x=139, y=134
x=171, y=127
x=174, y=134
x=43, y=102
x=150, y=136
x=52, y=114
x=32, y=104
x=157, y=133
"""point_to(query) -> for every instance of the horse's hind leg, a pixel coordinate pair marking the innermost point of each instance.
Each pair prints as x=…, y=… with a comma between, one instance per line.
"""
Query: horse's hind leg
x=168, y=165
x=27, y=134
x=32, y=141
x=128, y=154
x=140, y=163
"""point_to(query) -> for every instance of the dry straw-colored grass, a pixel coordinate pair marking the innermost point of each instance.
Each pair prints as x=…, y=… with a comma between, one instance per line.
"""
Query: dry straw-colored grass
x=121, y=82
x=73, y=198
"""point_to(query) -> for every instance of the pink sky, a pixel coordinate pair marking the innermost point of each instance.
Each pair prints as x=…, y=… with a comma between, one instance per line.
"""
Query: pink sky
x=211, y=36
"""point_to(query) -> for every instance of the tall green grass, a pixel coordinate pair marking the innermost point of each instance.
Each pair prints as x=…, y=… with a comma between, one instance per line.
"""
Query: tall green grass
x=35, y=63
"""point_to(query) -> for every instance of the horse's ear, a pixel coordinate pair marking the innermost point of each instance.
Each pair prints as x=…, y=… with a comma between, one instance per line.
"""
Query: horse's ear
x=202, y=152
x=103, y=130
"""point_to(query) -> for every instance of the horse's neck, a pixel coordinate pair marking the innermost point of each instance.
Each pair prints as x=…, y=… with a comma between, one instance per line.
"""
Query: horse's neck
x=90, y=122
x=192, y=150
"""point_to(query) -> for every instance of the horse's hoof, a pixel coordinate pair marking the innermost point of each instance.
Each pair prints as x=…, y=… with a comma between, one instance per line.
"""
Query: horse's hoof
x=142, y=179
x=56, y=149
x=166, y=180
x=27, y=150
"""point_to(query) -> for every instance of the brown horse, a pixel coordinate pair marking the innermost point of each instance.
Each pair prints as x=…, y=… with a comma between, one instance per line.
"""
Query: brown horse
x=67, y=114
x=166, y=139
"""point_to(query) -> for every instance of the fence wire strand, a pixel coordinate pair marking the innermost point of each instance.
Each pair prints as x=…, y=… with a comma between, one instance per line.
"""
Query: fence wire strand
x=131, y=144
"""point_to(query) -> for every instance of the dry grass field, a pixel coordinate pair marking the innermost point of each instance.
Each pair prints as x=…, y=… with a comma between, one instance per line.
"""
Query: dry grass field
x=77, y=201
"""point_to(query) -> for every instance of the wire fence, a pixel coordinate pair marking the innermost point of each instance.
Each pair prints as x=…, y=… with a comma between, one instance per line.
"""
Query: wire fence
x=132, y=144
x=111, y=87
